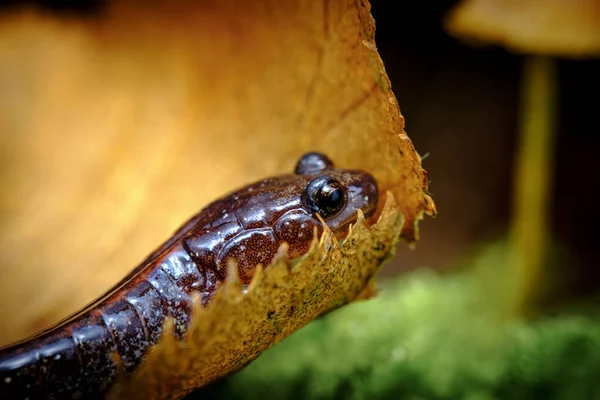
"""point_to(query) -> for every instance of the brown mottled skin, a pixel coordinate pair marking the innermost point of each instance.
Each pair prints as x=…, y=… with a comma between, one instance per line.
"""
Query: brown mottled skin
x=81, y=356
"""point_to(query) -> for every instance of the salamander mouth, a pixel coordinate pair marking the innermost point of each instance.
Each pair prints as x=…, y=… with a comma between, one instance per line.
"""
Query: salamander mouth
x=342, y=229
x=369, y=209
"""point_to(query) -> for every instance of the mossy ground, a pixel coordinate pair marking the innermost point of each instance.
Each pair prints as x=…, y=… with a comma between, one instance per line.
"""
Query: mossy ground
x=430, y=336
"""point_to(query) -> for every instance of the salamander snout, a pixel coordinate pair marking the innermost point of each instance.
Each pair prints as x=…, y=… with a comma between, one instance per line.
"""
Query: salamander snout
x=364, y=192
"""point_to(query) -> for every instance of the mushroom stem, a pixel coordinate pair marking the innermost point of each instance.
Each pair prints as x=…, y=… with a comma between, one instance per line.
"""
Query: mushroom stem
x=533, y=172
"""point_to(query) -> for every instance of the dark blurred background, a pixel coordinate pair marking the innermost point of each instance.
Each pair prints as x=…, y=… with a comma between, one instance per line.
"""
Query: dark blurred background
x=461, y=108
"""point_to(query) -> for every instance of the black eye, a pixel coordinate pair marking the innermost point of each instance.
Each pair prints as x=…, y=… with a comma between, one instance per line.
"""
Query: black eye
x=325, y=196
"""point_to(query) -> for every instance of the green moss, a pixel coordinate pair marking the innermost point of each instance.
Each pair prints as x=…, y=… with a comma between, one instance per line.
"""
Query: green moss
x=430, y=336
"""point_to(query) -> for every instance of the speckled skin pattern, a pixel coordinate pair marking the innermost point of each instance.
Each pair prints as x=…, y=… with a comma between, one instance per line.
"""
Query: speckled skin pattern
x=82, y=355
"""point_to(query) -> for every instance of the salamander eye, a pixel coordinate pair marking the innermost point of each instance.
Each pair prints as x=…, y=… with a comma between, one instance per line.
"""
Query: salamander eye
x=325, y=196
x=314, y=162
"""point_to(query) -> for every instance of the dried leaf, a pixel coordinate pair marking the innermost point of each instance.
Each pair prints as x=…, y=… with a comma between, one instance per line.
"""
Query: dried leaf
x=117, y=128
x=235, y=328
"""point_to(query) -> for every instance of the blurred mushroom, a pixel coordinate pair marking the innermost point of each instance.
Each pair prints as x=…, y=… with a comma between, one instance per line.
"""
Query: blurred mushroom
x=541, y=31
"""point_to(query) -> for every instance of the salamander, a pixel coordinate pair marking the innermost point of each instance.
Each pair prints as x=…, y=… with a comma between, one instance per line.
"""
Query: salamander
x=81, y=356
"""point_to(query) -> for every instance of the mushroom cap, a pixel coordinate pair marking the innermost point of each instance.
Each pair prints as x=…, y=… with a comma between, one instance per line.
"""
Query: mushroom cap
x=552, y=27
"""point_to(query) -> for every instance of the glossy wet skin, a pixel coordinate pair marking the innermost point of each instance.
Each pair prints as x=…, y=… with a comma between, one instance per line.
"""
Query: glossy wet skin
x=257, y=219
x=84, y=353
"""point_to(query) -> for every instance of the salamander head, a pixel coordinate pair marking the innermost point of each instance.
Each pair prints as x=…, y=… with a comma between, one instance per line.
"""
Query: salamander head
x=287, y=209
x=319, y=192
